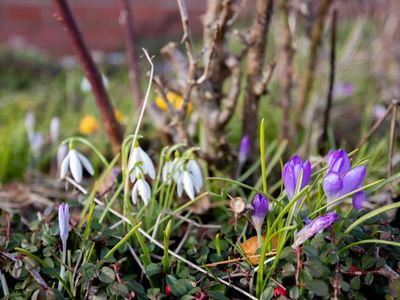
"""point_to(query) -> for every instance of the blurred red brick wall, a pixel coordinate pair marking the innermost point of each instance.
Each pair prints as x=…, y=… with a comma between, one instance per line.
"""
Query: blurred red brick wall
x=31, y=23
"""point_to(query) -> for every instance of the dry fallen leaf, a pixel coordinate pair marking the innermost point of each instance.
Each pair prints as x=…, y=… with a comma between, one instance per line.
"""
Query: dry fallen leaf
x=250, y=247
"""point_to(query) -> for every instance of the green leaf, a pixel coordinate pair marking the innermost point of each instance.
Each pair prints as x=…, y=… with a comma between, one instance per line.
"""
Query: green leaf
x=355, y=283
x=369, y=278
x=318, y=287
x=294, y=292
x=120, y=289
x=367, y=261
x=107, y=275
x=153, y=269
x=179, y=287
x=267, y=294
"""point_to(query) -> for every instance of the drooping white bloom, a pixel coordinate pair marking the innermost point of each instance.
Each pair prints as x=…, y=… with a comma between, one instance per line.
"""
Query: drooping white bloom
x=141, y=188
x=87, y=88
x=171, y=170
x=140, y=162
x=74, y=161
x=62, y=152
x=54, y=129
x=196, y=175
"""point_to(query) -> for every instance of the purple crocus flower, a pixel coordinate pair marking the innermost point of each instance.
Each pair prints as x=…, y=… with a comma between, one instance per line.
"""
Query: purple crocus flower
x=340, y=179
x=291, y=174
x=313, y=227
x=260, y=210
x=244, y=148
x=63, y=221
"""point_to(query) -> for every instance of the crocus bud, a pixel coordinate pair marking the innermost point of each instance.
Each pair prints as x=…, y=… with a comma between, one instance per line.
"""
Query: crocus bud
x=63, y=221
x=340, y=179
x=244, y=148
x=291, y=174
x=260, y=210
x=313, y=227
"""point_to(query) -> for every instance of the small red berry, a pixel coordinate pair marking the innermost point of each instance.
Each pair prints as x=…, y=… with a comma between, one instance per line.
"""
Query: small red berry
x=279, y=291
x=167, y=290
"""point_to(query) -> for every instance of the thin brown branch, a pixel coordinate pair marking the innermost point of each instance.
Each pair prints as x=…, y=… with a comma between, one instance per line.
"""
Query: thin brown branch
x=111, y=126
x=329, y=98
x=231, y=100
x=392, y=136
x=375, y=126
x=312, y=62
x=126, y=20
x=286, y=78
x=255, y=65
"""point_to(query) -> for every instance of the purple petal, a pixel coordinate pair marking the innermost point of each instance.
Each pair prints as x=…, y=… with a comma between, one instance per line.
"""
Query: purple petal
x=314, y=227
x=260, y=210
x=289, y=180
x=340, y=162
x=333, y=185
x=358, y=199
x=306, y=174
x=353, y=179
x=244, y=148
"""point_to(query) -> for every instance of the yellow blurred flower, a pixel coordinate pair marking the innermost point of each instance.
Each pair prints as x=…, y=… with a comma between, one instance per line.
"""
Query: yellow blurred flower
x=118, y=116
x=88, y=125
x=176, y=101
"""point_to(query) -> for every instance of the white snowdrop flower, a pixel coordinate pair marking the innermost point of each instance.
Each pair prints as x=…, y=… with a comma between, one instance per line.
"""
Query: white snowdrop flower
x=171, y=170
x=75, y=161
x=87, y=88
x=188, y=185
x=30, y=124
x=54, y=129
x=140, y=160
x=141, y=188
x=62, y=152
x=196, y=175
x=36, y=144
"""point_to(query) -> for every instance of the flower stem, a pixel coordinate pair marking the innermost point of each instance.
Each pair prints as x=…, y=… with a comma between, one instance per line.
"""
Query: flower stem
x=63, y=260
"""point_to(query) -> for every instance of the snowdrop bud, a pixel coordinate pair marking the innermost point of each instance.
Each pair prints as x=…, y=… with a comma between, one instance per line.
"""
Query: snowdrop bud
x=141, y=188
x=313, y=227
x=63, y=221
x=54, y=129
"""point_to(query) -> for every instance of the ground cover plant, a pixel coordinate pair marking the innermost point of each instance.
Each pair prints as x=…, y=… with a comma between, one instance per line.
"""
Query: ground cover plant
x=175, y=202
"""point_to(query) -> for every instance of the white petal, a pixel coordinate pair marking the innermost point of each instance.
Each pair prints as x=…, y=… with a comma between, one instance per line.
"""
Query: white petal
x=144, y=191
x=188, y=185
x=166, y=171
x=86, y=163
x=179, y=188
x=64, y=166
x=196, y=183
x=148, y=166
x=75, y=165
x=62, y=153
x=85, y=85
x=195, y=170
x=134, y=193
x=134, y=159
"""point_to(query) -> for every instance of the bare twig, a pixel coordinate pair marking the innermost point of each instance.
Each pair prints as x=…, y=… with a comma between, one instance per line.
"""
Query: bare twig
x=392, y=136
x=255, y=65
x=111, y=126
x=286, y=78
x=375, y=126
x=183, y=240
x=329, y=98
x=312, y=62
x=126, y=20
